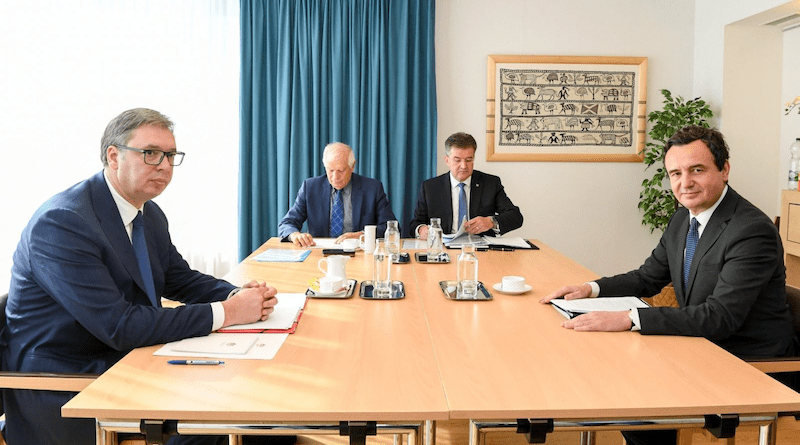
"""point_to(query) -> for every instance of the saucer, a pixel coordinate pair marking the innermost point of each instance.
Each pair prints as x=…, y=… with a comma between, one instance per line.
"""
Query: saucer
x=345, y=292
x=499, y=288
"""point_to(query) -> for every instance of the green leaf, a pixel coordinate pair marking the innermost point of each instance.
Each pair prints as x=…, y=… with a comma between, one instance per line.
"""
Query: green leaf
x=656, y=200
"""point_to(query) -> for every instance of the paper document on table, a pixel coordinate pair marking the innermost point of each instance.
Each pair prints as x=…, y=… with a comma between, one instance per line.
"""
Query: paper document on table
x=462, y=230
x=462, y=237
x=330, y=243
x=282, y=256
x=507, y=241
x=283, y=319
x=573, y=308
x=222, y=343
x=263, y=347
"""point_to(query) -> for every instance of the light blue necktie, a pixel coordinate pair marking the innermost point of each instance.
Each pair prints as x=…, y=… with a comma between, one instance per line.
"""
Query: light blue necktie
x=691, y=243
x=142, y=258
x=337, y=215
x=462, y=204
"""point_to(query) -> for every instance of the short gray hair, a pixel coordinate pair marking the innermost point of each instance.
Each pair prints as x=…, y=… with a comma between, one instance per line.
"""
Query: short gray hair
x=118, y=131
x=351, y=157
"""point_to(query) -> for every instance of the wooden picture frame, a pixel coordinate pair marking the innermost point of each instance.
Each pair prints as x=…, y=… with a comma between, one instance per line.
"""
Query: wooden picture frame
x=566, y=108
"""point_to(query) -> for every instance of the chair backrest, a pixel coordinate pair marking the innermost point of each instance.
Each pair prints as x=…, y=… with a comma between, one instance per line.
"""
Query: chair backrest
x=793, y=298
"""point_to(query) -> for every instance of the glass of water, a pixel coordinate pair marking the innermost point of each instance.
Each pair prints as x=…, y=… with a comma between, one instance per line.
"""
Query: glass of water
x=467, y=272
x=435, y=239
x=381, y=271
x=392, y=237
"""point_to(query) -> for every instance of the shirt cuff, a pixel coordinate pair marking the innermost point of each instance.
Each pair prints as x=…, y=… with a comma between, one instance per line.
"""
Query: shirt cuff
x=217, y=315
x=595, y=289
x=218, y=311
x=634, y=316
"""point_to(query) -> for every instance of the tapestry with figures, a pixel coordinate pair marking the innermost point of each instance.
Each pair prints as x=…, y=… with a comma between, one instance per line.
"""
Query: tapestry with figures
x=567, y=108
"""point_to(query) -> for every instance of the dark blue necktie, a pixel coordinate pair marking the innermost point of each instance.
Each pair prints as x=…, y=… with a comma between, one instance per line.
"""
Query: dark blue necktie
x=462, y=204
x=337, y=215
x=691, y=243
x=142, y=258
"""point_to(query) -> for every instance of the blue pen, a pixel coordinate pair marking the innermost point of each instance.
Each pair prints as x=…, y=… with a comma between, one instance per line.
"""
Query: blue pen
x=195, y=362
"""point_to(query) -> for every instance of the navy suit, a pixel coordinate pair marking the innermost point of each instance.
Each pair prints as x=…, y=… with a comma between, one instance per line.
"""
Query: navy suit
x=736, y=294
x=313, y=204
x=487, y=198
x=77, y=303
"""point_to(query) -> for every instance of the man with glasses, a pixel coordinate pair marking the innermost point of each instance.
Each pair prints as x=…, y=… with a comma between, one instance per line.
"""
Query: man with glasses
x=89, y=273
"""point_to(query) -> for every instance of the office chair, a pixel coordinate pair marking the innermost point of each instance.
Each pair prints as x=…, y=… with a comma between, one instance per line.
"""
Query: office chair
x=45, y=381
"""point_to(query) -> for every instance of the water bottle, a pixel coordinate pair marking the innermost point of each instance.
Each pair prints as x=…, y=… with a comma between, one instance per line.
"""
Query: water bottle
x=794, y=164
x=392, y=237
x=434, y=239
x=467, y=272
x=381, y=271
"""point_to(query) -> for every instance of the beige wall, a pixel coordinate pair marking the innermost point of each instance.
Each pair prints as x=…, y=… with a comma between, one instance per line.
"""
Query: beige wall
x=586, y=210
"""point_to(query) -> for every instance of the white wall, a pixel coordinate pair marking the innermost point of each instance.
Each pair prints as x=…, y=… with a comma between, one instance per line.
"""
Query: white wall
x=790, y=124
x=586, y=210
x=759, y=162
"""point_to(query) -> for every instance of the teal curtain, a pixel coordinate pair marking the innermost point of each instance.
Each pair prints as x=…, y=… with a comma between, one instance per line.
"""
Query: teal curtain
x=316, y=71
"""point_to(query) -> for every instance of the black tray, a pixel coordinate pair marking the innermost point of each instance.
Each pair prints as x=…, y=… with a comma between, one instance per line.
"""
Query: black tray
x=422, y=257
x=449, y=288
x=398, y=291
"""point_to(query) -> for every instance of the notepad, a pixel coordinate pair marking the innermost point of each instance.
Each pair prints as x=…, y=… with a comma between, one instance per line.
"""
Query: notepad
x=573, y=308
x=282, y=256
x=283, y=319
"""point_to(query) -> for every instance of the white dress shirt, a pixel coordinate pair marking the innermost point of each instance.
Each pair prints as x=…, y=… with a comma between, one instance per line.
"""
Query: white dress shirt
x=702, y=220
x=456, y=192
x=128, y=212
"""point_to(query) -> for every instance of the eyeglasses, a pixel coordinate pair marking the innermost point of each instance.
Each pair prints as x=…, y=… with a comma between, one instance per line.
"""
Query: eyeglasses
x=155, y=157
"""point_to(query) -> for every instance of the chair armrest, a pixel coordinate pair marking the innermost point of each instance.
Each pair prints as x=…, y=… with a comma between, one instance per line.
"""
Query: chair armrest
x=775, y=365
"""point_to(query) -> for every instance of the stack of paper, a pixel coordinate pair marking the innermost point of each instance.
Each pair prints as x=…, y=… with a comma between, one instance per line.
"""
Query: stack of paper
x=573, y=308
x=259, y=340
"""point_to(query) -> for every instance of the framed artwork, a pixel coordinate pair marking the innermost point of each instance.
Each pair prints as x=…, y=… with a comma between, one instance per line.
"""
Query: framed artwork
x=566, y=108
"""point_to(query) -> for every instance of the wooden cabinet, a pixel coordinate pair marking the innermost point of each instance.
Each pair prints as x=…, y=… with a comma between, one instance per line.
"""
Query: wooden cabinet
x=790, y=234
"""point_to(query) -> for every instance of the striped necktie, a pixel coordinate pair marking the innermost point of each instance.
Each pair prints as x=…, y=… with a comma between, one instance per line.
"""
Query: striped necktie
x=691, y=243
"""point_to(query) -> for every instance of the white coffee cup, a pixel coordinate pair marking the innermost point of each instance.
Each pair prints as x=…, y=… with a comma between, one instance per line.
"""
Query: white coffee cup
x=335, y=266
x=350, y=244
x=329, y=285
x=367, y=240
x=513, y=283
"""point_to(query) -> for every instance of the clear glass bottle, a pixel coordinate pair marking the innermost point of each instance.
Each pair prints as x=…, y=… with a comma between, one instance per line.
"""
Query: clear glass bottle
x=435, y=239
x=392, y=237
x=794, y=164
x=467, y=272
x=381, y=271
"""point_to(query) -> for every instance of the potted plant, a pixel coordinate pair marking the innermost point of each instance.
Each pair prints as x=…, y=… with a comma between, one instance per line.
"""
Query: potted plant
x=656, y=199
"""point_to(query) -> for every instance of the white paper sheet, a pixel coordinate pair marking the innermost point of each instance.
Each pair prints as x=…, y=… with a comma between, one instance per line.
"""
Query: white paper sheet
x=264, y=347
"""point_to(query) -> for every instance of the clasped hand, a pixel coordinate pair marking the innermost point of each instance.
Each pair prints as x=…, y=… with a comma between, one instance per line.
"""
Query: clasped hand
x=255, y=301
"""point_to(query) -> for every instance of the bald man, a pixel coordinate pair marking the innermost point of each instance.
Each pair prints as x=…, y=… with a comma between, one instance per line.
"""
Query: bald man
x=337, y=204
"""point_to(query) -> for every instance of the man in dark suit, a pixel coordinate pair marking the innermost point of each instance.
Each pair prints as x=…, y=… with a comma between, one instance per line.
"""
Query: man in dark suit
x=481, y=199
x=79, y=299
x=724, y=257
x=356, y=201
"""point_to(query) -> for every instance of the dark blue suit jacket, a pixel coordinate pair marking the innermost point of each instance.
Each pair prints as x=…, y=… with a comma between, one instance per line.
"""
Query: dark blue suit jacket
x=77, y=304
x=736, y=296
x=313, y=204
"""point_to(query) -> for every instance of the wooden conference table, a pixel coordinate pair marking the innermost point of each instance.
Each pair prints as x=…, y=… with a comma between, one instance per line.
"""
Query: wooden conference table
x=427, y=358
